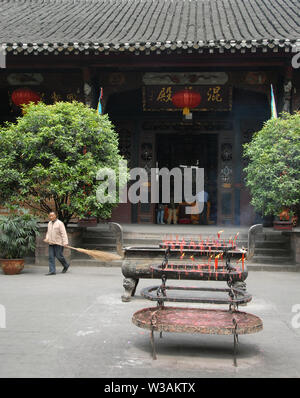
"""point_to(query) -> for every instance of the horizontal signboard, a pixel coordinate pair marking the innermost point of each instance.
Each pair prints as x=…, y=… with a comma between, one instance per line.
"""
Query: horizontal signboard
x=213, y=98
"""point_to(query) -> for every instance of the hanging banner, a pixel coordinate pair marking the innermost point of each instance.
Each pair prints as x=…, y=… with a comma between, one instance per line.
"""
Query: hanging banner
x=213, y=97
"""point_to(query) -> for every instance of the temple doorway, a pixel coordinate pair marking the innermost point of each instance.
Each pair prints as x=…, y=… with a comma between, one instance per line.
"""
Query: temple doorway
x=188, y=149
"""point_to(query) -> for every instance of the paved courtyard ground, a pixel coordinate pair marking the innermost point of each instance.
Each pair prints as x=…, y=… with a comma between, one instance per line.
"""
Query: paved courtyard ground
x=75, y=325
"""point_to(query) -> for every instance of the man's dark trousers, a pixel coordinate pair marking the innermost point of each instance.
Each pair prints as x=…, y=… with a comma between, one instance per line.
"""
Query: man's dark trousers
x=56, y=251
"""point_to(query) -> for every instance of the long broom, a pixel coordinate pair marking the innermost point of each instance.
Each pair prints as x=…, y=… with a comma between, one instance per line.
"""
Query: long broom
x=96, y=254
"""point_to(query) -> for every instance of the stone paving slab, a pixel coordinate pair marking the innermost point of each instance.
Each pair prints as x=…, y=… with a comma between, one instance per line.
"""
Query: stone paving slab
x=75, y=325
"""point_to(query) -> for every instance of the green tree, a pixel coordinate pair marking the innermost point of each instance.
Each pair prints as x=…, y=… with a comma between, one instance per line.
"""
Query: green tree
x=52, y=155
x=273, y=171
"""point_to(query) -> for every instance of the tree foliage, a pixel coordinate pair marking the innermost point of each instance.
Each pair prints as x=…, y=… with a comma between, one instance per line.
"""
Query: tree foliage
x=273, y=172
x=52, y=155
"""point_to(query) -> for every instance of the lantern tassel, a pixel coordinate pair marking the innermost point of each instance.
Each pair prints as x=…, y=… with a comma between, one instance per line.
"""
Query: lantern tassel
x=186, y=111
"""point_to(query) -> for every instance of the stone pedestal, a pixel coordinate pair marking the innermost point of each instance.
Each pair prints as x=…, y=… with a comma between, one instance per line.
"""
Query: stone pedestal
x=42, y=248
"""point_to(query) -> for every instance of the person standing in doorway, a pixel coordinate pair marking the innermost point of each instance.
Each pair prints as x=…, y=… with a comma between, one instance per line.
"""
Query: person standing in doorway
x=160, y=213
x=57, y=238
x=172, y=212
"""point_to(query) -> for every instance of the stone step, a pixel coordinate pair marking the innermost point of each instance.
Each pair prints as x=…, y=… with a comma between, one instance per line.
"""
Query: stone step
x=272, y=260
x=159, y=237
x=180, y=236
x=273, y=252
x=273, y=267
x=271, y=244
x=98, y=235
x=272, y=236
x=98, y=240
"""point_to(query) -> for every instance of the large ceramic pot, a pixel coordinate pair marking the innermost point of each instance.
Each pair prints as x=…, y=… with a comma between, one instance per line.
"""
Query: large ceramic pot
x=12, y=266
x=283, y=225
x=285, y=222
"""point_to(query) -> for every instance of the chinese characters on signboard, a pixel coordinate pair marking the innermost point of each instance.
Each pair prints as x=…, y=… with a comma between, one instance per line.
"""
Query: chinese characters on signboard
x=213, y=98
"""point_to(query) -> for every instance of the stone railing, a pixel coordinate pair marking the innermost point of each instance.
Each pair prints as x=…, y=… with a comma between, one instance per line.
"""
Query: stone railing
x=253, y=231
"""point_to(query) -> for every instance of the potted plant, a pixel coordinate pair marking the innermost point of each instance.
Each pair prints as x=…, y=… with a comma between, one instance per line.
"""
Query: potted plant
x=18, y=232
x=273, y=171
x=284, y=221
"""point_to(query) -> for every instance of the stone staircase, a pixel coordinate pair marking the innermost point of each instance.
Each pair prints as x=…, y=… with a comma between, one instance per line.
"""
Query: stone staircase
x=273, y=252
x=272, y=248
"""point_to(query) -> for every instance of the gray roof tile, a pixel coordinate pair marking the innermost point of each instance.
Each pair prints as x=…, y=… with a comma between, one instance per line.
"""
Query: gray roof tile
x=134, y=21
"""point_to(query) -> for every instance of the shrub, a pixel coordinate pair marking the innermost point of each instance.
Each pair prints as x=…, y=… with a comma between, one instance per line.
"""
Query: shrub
x=273, y=172
x=18, y=233
x=53, y=154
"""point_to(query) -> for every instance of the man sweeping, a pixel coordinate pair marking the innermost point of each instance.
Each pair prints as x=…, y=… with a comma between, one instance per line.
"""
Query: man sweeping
x=57, y=238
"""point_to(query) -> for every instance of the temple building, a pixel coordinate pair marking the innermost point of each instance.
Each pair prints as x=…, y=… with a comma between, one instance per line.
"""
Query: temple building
x=142, y=53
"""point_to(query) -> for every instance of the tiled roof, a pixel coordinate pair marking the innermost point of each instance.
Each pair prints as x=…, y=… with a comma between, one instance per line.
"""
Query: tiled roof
x=146, y=26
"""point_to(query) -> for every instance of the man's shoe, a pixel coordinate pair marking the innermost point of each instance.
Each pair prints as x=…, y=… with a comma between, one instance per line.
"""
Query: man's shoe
x=65, y=269
x=51, y=273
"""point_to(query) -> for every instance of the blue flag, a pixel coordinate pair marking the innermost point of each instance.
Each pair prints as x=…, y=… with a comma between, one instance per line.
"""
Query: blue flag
x=273, y=104
x=100, y=100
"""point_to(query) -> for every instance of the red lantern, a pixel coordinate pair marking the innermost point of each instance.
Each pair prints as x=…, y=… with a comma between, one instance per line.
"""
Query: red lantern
x=186, y=99
x=23, y=96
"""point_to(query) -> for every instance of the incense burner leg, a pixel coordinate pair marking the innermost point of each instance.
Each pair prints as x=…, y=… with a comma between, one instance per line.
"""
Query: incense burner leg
x=153, y=344
x=135, y=286
x=235, y=343
x=129, y=285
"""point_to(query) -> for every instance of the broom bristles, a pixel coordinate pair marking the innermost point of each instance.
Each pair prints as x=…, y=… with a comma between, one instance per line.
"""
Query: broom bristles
x=99, y=255
x=96, y=254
